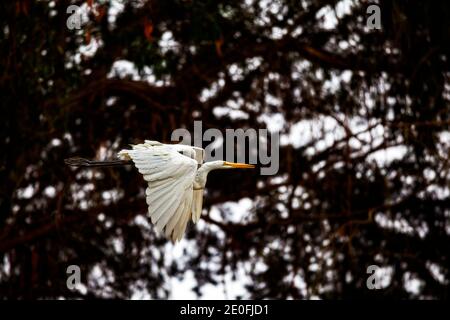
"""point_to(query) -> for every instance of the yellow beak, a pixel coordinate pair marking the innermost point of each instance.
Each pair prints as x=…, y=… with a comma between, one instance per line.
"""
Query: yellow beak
x=239, y=165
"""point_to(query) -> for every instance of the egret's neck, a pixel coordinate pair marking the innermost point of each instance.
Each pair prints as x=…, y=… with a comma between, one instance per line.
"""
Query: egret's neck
x=202, y=173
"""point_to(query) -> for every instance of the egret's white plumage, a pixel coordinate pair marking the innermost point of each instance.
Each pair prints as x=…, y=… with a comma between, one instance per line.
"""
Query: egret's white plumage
x=175, y=183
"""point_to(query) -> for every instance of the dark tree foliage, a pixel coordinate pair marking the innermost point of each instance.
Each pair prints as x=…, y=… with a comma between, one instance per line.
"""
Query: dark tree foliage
x=340, y=201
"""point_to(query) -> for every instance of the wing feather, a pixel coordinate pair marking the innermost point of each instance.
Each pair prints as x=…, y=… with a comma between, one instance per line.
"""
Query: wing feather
x=170, y=177
x=197, y=201
x=162, y=205
x=197, y=204
x=180, y=227
x=176, y=218
x=199, y=154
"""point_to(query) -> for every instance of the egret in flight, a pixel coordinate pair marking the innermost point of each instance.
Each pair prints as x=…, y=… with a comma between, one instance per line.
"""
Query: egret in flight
x=176, y=177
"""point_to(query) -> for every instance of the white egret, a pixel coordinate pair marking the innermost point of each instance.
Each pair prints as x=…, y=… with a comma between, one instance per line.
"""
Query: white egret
x=176, y=177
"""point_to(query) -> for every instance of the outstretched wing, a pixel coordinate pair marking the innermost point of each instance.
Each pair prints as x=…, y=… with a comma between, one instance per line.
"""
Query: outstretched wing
x=170, y=176
x=198, y=154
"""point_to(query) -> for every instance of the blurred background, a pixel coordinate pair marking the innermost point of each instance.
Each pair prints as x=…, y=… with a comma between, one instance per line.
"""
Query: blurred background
x=363, y=114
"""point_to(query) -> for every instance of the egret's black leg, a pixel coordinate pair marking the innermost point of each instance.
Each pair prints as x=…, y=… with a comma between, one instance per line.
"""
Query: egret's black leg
x=82, y=162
